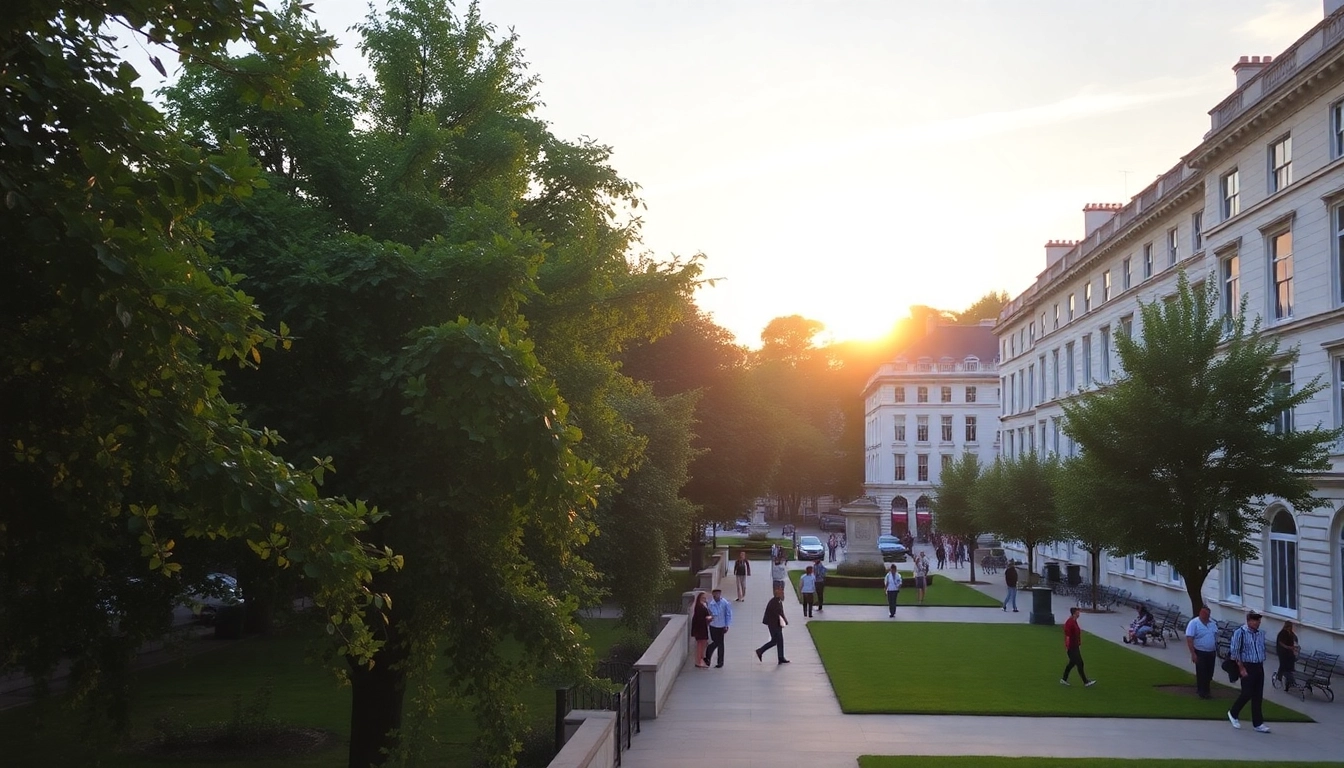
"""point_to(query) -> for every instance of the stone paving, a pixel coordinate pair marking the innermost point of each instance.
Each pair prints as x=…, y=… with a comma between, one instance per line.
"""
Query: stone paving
x=754, y=713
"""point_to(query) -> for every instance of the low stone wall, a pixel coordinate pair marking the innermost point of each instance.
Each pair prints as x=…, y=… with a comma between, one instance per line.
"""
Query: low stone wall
x=711, y=577
x=593, y=742
x=661, y=663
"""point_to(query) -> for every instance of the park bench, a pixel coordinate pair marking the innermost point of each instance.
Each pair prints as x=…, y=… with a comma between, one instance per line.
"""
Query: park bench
x=1312, y=674
x=1168, y=623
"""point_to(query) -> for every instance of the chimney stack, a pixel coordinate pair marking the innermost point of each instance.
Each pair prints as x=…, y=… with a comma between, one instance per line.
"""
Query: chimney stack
x=1055, y=250
x=1248, y=67
x=1096, y=214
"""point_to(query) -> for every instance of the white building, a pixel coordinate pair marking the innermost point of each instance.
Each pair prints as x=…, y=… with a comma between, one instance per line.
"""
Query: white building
x=937, y=399
x=1258, y=208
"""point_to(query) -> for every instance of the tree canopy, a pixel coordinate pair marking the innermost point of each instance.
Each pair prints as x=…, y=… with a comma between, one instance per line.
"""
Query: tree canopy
x=1015, y=499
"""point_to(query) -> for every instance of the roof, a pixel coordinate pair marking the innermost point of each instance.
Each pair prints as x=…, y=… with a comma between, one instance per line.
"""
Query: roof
x=955, y=341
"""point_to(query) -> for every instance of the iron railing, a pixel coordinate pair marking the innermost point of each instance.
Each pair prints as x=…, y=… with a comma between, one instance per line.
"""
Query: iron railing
x=623, y=701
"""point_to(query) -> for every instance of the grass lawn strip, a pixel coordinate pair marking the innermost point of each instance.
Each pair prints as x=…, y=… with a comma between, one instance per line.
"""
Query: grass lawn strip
x=944, y=593
x=980, y=761
x=937, y=668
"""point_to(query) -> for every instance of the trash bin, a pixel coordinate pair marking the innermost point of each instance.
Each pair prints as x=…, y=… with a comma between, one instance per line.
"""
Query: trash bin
x=1041, y=612
x=1052, y=572
x=1073, y=574
x=229, y=622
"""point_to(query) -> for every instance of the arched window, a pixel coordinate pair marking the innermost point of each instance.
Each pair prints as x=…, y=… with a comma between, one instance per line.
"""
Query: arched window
x=924, y=364
x=922, y=504
x=899, y=504
x=1283, y=563
x=972, y=363
x=947, y=364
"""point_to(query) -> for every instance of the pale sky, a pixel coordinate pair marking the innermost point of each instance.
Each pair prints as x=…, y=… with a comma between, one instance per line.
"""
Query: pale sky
x=843, y=160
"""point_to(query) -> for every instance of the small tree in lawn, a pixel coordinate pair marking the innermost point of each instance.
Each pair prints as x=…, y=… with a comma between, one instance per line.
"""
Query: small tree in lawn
x=1015, y=499
x=1086, y=514
x=954, y=502
x=1197, y=434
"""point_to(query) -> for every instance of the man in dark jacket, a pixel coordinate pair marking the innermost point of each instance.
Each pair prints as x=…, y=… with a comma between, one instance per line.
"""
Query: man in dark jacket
x=1010, y=578
x=775, y=621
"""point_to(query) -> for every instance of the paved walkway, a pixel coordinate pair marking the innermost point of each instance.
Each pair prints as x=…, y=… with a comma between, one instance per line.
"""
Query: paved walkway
x=754, y=713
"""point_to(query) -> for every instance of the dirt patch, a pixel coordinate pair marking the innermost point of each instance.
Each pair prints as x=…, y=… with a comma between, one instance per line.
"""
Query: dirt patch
x=217, y=744
x=1219, y=692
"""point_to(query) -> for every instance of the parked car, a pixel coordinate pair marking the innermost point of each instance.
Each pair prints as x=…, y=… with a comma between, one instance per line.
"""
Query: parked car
x=893, y=551
x=833, y=523
x=811, y=548
x=743, y=525
x=204, y=599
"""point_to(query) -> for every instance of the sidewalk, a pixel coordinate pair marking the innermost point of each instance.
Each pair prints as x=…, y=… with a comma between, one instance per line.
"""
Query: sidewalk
x=754, y=713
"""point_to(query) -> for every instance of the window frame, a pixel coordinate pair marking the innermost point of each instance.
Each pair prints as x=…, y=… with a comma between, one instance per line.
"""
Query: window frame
x=1173, y=247
x=1127, y=272
x=945, y=428
x=1231, y=574
x=971, y=394
x=898, y=472
x=1283, y=573
x=1229, y=191
x=1105, y=286
x=1147, y=261
x=1229, y=274
x=921, y=429
x=899, y=394
x=972, y=429
x=922, y=468
x=1273, y=241
x=944, y=394
x=1337, y=130
x=1196, y=232
x=1280, y=161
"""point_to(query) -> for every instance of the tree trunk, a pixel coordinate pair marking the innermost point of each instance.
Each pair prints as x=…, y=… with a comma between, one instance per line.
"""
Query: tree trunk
x=1194, y=589
x=1031, y=559
x=970, y=555
x=1096, y=568
x=378, y=695
x=697, y=550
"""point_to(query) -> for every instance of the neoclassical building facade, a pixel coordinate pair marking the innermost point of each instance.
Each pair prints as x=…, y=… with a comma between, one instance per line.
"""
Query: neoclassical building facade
x=1256, y=209
x=937, y=399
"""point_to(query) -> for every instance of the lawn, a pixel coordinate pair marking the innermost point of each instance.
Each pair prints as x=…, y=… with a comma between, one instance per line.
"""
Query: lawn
x=980, y=761
x=943, y=592
x=204, y=688
x=1001, y=669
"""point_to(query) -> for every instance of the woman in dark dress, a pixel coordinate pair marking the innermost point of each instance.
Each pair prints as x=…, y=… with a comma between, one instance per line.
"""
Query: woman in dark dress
x=700, y=627
x=1287, y=648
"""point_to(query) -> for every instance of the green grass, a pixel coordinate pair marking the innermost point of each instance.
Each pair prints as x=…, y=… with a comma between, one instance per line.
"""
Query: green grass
x=943, y=592
x=1000, y=669
x=204, y=687
x=980, y=761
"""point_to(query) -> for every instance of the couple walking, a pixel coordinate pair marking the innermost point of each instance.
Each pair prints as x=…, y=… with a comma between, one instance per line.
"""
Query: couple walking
x=710, y=620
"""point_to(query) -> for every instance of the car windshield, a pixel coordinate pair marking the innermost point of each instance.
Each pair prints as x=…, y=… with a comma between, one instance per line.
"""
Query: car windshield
x=810, y=541
x=888, y=540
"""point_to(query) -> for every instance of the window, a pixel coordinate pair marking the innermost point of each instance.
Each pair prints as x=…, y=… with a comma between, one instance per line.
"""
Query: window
x=1030, y=399
x=1054, y=385
x=972, y=363
x=1173, y=575
x=1056, y=317
x=1337, y=130
x=922, y=468
x=1150, y=569
x=1337, y=238
x=1281, y=262
x=922, y=395
x=924, y=364
x=1283, y=563
x=1012, y=393
x=1229, y=186
x=970, y=429
x=1197, y=231
x=1087, y=360
x=1231, y=269
x=1054, y=432
x=1106, y=354
x=945, y=394
x=1129, y=564
x=1087, y=297
x=1173, y=248
x=900, y=394
x=1280, y=164
x=1283, y=423
x=1127, y=273
x=900, y=467
x=1127, y=326
x=946, y=429
x=1012, y=346
x=1232, y=579
x=1031, y=333
x=1071, y=298
x=899, y=436
x=1147, y=260
x=946, y=461
x=1069, y=382
x=1105, y=286
x=1040, y=362
x=970, y=394
x=922, y=429
x=947, y=364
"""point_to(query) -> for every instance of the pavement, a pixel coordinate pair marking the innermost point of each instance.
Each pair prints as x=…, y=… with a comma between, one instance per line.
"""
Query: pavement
x=752, y=713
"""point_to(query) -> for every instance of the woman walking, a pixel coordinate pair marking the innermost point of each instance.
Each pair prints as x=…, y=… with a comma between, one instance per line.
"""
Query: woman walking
x=700, y=616
x=742, y=569
x=1288, y=649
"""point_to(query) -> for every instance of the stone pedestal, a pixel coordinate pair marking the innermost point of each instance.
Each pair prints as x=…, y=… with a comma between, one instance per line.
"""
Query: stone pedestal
x=1041, y=612
x=760, y=529
x=863, y=524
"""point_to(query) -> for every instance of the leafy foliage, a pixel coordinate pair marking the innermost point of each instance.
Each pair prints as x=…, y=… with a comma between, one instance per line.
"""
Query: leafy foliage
x=955, y=502
x=1015, y=499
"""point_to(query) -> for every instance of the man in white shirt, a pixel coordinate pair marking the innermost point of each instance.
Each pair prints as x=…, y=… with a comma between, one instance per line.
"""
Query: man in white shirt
x=892, y=582
x=1201, y=637
x=720, y=619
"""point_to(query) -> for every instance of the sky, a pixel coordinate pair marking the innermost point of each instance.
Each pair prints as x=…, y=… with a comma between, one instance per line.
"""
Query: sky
x=844, y=160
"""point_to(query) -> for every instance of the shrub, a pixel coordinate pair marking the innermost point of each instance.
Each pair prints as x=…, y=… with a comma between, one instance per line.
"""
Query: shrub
x=860, y=569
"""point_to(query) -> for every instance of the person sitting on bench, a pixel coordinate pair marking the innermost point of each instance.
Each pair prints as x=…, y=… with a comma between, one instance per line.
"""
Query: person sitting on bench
x=1140, y=627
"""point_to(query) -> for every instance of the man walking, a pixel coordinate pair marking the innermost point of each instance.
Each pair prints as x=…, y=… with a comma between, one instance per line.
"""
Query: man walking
x=742, y=569
x=1201, y=637
x=720, y=618
x=1010, y=578
x=892, y=582
x=1073, y=646
x=1248, y=650
x=820, y=573
x=774, y=621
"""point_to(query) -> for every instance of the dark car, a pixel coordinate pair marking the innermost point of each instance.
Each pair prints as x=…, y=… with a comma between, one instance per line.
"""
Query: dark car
x=833, y=523
x=811, y=548
x=893, y=551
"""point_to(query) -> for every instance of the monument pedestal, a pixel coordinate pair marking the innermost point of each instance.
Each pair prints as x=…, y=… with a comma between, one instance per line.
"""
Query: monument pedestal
x=863, y=524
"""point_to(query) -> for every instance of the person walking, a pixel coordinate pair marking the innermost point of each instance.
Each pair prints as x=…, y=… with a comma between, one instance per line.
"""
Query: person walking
x=1073, y=646
x=1010, y=578
x=1286, y=647
x=1248, y=651
x=775, y=621
x=832, y=544
x=941, y=554
x=892, y=582
x=778, y=573
x=741, y=570
x=808, y=586
x=820, y=573
x=721, y=618
x=921, y=574
x=1201, y=637
x=700, y=628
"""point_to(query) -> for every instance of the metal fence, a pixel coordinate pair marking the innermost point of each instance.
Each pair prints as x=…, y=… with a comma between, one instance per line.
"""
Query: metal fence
x=624, y=701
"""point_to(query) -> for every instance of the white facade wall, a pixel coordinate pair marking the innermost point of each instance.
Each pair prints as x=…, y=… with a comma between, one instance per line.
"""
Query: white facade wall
x=1301, y=97
x=892, y=432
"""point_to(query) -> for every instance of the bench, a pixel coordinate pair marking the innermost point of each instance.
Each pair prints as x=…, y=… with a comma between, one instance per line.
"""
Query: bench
x=1312, y=673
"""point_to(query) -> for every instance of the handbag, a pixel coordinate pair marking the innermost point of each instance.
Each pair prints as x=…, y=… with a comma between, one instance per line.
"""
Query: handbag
x=1230, y=667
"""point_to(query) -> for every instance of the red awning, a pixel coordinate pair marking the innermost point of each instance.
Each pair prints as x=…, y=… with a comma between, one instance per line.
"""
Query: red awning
x=900, y=518
x=920, y=515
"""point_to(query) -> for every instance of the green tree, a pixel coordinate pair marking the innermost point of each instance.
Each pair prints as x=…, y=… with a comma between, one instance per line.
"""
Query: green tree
x=954, y=502
x=1086, y=514
x=1190, y=440
x=986, y=307
x=1015, y=500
